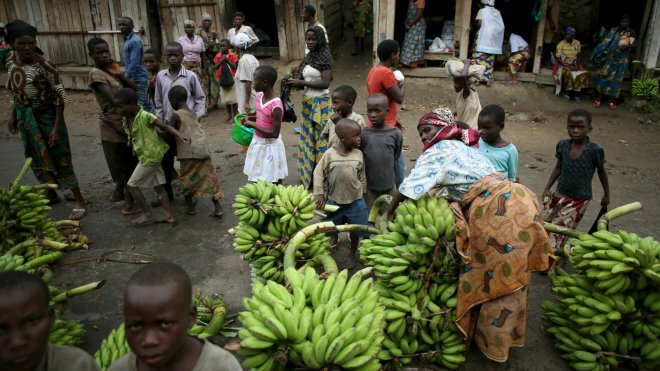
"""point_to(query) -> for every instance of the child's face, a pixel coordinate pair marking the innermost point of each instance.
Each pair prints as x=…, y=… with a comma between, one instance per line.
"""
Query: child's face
x=126, y=109
x=351, y=137
x=489, y=129
x=174, y=57
x=377, y=110
x=157, y=319
x=25, y=322
x=578, y=128
x=459, y=84
x=427, y=132
x=394, y=59
x=101, y=55
x=224, y=47
x=151, y=63
x=341, y=104
x=260, y=83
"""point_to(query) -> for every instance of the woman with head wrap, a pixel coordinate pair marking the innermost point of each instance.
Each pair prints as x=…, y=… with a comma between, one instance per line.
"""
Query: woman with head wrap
x=412, y=50
x=614, y=51
x=38, y=113
x=314, y=75
x=468, y=105
x=193, y=49
x=499, y=237
x=210, y=84
x=569, y=75
x=489, y=38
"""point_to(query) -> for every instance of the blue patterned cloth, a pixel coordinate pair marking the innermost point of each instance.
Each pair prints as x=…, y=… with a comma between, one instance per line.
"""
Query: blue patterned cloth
x=449, y=165
x=413, y=42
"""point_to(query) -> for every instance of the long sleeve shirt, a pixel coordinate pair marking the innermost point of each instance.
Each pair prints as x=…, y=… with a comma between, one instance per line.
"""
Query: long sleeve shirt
x=134, y=59
x=189, y=80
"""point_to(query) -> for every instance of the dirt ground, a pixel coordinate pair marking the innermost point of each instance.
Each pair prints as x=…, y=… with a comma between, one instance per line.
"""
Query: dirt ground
x=536, y=121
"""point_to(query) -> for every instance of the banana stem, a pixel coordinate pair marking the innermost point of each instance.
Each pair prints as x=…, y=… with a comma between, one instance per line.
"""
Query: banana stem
x=620, y=211
x=17, y=249
x=365, y=272
x=42, y=260
x=46, y=186
x=67, y=223
x=52, y=244
x=21, y=175
x=381, y=203
x=77, y=291
x=215, y=325
x=330, y=208
x=357, y=228
x=619, y=355
x=329, y=264
x=554, y=228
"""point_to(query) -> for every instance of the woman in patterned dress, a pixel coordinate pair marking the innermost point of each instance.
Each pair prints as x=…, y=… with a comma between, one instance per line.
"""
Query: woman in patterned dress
x=210, y=84
x=362, y=23
x=502, y=220
x=412, y=50
x=38, y=113
x=490, y=36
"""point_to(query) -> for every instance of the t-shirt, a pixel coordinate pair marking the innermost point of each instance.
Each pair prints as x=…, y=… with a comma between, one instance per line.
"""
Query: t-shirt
x=312, y=74
x=517, y=43
x=467, y=109
x=244, y=72
x=567, y=52
x=380, y=79
x=109, y=118
x=381, y=149
x=147, y=145
x=345, y=175
x=191, y=128
x=265, y=112
x=329, y=130
x=576, y=174
x=504, y=159
x=212, y=358
x=63, y=357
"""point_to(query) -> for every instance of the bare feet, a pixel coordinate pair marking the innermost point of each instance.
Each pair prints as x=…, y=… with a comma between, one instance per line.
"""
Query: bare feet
x=216, y=214
x=117, y=195
x=144, y=219
x=167, y=219
x=190, y=210
x=132, y=211
x=229, y=119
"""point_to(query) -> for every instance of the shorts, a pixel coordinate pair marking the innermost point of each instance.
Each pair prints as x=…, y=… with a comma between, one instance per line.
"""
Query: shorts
x=354, y=213
x=120, y=159
x=147, y=176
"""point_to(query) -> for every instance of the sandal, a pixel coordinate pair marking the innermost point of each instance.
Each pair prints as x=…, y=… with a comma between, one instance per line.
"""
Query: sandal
x=566, y=97
x=612, y=105
x=77, y=214
x=597, y=103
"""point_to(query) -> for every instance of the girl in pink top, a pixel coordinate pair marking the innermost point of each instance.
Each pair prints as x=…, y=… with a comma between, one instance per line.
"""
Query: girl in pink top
x=266, y=157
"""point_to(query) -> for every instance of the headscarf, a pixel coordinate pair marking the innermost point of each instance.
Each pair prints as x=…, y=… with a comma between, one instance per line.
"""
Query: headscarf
x=570, y=31
x=206, y=17
x=19, y=28
x=320, y=58
x=457, y=68
x=241, y=41
x=444, y=118
x=188, y=23
x=488, y=2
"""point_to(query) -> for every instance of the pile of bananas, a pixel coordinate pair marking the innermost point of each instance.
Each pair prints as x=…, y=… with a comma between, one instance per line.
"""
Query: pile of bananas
x=608, y=311
x=112, y=348
x=66, y=333
x=645, y=89
x=322, y=323
x=269, y=216
x=417, y=271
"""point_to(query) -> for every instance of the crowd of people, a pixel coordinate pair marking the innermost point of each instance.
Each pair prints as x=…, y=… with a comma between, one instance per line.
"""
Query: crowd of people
x=342, y=158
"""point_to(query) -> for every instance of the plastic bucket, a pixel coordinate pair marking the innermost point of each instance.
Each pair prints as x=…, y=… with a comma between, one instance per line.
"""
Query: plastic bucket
x=239, y=133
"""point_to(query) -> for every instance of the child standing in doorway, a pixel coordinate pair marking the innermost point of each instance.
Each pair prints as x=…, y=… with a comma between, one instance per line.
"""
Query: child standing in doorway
x=502, y=154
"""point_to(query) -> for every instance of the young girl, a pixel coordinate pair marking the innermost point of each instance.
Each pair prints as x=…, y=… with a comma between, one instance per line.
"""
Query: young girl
x=266, y=158
x=502, y=154
x=228, y=93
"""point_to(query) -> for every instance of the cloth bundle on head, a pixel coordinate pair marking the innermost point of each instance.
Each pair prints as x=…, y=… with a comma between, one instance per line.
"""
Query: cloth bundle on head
x=444, y=118
x=457, y=68
x=241, y=40
x=19, y=28
x=2, y=24
x=488, y=2
x=319, y=58
x=206, y=17
x=188, y=23
x=570, y=31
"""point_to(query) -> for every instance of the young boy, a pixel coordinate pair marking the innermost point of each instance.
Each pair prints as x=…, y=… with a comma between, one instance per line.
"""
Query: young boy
x=25, y=323
x=381, y=146
x=197, y=174
x=343, y=99
x=104, y=82
x=245, y=93
x=227, y=57
x=577, y=159
x=158, y=311
x=176, y=74
x=502, y=154
x=342, y=166
x=149, y=147
x=468, y=105
x=152, y=63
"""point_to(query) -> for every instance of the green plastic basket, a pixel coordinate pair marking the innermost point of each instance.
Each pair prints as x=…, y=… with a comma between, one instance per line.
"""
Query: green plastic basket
x=239, y=133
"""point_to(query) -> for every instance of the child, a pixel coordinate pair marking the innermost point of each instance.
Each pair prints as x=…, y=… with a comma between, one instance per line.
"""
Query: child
x=502, y=154
x=158, y=311
x=381, y=146
x=362, y=23
x=197, y=174
x=468, y=105
x=152, y=63
x=104, y=82
x=25, y=324
x=149, y=148
x=266, y=157
x=342, y=166
x=343, y=98
x=228, y=93
x=577, y=159
x=520, y=53
x=247, y=64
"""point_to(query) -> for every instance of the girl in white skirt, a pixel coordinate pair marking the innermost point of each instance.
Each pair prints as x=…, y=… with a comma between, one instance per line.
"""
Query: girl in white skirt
x=266, y=157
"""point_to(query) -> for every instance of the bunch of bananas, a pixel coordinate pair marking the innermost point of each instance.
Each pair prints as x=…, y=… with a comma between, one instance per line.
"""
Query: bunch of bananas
x=417, y=271
x=645, y=89
x=322, y=323
x=9, y=262
x=112, y=348
x=66, y=333
x=608, y=311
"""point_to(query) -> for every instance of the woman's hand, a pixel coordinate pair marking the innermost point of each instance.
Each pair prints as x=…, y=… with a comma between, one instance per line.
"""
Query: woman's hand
x=54, y=138
x=295, y=83
x=320, y=202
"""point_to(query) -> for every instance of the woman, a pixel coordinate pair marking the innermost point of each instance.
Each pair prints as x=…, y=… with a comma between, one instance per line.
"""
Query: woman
x=413, y=43
x=615, y=50
x=506, y=236
x=489, y=39
x=193, y=48
x=362, y=23
x=239, y=27
x=568, y=73
x=38, y=113
x=316, y=73
x=209, y=82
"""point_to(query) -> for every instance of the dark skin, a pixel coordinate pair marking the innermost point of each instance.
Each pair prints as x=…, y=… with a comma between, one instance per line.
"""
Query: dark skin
x=377, y=109
x=176, y=122
x=232, y=108
x=396, y=91
x=174, y=58
x=263, y=85
x=341, y=107
x=157, y=318
x=578, y=130
x=151, y=63
x=125, y=26
x=129, y=110
x=490, y=131
x=326, y=75
x=569, y=39
x=25, y=53
x=190, y=32
x=25, y=323
x=460, y=85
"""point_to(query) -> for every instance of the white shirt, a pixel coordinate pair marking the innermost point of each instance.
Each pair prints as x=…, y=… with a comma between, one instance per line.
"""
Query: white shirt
x=244, y=29
x=517, y=43
x=312, y=74
x=244, y=72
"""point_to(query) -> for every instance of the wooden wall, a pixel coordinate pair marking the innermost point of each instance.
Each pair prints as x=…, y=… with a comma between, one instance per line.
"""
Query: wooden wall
x=333, y=20
x=290, y=29
x=64, y=25
x=174, y=12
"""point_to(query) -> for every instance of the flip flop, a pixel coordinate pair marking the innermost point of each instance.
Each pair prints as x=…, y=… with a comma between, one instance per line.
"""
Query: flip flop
x=612, y=105
x=77, y=214
x=597, y=103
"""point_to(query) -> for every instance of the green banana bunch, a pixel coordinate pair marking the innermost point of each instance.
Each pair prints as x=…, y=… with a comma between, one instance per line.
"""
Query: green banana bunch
x=320, y=323
x=645, y=89
x=112, y=348
x=66, y=333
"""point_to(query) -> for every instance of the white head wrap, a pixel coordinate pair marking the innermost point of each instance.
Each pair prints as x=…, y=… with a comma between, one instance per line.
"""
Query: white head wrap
x=488, y=2
x=241, y=40
x=456, y=68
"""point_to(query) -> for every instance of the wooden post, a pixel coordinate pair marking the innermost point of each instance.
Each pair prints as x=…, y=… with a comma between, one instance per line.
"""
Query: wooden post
x=466, y=21
x=281, y=30
x=539, y=38
x=652, y=42
x=166, y=16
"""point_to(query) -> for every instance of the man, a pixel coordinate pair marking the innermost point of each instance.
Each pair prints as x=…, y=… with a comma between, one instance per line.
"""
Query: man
x=551, y=28
x=309, y=16
x=134, y=62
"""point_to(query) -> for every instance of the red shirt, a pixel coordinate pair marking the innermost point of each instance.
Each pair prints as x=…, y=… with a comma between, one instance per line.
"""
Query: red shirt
x=231, y=57
x=380, y=79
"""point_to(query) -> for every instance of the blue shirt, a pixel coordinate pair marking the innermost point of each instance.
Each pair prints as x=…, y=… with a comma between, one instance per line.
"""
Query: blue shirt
x=576, y=174
x=504, y=159
x=133, y=59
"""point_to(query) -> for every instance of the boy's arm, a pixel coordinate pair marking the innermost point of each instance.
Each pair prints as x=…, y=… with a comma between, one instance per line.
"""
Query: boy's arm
x=158, y=98
x=103, y=89
x=362, y=177
x=319, y=181
x=200, y=98
x=398, y=146
x=513, y=165
x=604, y=180
x=159, y=123
x=175, y=121
x=553, y=178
